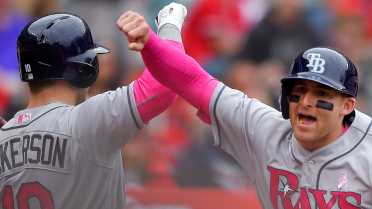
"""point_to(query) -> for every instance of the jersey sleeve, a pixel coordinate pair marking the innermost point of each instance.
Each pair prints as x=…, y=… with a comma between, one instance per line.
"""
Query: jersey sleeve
x=104, y=123
x=241, y=125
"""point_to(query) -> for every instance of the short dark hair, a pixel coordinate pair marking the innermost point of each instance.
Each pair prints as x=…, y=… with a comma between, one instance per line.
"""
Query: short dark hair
x=38, y=86
x=346, y=95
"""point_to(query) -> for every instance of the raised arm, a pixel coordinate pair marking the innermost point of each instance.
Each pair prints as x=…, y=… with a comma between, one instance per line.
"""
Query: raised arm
x=172, y=68
x=151, y=97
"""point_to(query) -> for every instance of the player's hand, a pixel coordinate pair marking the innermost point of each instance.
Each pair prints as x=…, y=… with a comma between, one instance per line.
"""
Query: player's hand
x=135, y=28
x=2, y=122
x=173, y=14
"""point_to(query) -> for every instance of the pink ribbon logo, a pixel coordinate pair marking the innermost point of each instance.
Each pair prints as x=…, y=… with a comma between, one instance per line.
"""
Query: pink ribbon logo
x=343, y=181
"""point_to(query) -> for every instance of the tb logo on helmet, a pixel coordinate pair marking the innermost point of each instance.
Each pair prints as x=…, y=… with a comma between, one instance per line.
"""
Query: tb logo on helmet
x=316, y=62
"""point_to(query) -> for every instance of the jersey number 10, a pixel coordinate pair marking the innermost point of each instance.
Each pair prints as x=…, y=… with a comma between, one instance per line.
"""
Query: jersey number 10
x=26, y=191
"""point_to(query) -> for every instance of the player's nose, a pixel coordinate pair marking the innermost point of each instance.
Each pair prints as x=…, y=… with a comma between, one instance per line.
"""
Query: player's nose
x=308, y=99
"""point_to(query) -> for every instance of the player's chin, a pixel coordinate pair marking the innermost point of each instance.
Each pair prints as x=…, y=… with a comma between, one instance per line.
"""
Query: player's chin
x=303, y=136
x=303, y=131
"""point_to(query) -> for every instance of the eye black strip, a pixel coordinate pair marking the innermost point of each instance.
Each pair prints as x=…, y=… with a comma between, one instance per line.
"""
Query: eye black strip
x=324, y=105
x=294, y=98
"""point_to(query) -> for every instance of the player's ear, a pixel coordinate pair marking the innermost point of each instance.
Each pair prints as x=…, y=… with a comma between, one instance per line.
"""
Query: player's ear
x=348, y=105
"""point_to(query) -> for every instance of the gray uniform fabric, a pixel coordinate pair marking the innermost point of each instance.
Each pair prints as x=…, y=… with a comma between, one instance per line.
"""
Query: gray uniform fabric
x=170, y=32
x=68, y=156
x=286, y=175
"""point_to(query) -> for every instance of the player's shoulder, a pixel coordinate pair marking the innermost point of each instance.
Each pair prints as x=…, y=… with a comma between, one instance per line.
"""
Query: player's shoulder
x=362, y=123
x=38, y=118
x=228, y=98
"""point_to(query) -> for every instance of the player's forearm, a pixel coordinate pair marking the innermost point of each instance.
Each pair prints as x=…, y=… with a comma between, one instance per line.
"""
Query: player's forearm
x=152, y=98
x=179, y=72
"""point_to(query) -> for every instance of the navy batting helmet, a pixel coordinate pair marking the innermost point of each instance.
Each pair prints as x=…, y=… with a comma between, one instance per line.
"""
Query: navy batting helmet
x=58, y=46
x=323, y=65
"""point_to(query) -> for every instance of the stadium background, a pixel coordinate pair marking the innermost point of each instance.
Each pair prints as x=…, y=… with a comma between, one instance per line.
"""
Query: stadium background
x=247, y=44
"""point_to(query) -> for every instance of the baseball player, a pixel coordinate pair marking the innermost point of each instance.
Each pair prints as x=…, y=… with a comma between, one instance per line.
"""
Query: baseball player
x=62, y=151
x=315, y=153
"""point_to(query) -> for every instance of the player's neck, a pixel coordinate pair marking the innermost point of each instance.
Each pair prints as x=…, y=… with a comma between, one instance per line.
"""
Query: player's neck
x=58, y=93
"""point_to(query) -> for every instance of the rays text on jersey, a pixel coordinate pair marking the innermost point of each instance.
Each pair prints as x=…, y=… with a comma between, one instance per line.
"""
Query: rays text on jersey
x=33, y=150
x=289, y=194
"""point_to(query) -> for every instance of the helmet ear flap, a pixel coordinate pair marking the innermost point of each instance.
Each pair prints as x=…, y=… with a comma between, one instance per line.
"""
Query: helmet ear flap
x=283, y=99
x=81, y=75
x=284, y=104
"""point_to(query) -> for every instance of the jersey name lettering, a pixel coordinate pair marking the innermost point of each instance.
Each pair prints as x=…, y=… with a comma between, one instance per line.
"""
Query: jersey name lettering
x=34, y=150
x=290, y=197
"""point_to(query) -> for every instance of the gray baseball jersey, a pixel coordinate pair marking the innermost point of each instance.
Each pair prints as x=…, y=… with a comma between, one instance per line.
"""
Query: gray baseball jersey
x=61, y=156
x=286, y=175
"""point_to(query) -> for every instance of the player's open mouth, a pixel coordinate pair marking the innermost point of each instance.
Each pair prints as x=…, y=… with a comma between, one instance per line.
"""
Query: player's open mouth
x=306, y=119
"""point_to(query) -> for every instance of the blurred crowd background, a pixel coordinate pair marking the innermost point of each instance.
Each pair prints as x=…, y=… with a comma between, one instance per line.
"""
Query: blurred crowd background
x=247, y=44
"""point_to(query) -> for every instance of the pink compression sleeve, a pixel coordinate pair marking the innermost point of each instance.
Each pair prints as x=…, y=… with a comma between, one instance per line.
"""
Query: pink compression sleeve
x=180, y=73
x=152, y=98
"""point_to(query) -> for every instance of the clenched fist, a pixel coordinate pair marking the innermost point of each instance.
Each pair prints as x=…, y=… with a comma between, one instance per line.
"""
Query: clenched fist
x=135, y=28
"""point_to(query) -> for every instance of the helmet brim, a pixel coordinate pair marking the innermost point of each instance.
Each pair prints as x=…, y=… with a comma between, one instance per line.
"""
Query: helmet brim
x=101, y=49
x=319, y=79
x=88, y=56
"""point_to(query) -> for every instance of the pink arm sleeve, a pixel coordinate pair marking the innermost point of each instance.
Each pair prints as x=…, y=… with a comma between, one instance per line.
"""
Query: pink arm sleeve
x=152, y=98
x=180, y=73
